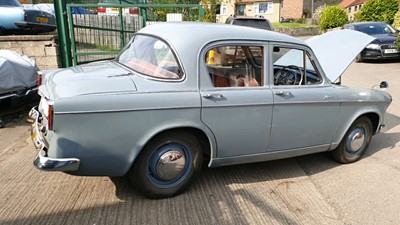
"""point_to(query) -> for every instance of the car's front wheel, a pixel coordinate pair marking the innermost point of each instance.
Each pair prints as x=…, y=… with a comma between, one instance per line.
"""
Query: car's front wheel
x=355, y=141
x=167, y=165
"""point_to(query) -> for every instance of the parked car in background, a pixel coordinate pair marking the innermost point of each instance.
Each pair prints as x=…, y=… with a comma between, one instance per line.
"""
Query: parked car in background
x=228, y=94
x=46, y=7
x=18, y=75
x=383, y=46
x=247, y=21
x=14, y=18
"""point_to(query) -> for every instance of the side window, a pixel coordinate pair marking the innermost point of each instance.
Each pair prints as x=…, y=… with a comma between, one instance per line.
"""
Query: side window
x=235, y=66
x=294, y=67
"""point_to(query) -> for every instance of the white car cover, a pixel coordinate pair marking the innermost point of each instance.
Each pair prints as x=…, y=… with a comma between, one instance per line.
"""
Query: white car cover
x=17, y=72
x=334, y=50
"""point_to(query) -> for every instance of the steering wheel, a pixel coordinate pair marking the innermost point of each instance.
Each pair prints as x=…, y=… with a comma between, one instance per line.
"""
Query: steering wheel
x=286, y=76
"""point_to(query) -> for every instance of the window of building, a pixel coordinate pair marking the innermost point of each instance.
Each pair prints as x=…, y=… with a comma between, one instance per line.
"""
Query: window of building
x=236, y=66
x=264, y=8
x=224, y=9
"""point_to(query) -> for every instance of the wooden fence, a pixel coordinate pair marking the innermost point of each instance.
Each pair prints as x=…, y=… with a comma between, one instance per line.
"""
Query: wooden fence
x=95, y=33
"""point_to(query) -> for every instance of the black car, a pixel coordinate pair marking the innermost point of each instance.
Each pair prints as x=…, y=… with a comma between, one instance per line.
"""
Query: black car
x=247, y=21
x=383, y=46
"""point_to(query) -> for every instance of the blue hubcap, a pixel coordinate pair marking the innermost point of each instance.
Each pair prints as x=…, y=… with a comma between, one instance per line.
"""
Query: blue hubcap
x=169, y=165
x=356, y=141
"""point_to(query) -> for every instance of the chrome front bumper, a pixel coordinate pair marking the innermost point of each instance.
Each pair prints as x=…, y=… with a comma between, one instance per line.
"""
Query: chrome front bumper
x=43, y=162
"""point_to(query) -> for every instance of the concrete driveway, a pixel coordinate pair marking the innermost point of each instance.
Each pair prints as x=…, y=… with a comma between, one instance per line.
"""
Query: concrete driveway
x=305, y=190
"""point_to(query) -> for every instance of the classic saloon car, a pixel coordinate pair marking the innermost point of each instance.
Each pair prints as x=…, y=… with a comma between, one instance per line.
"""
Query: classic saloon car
x=15, y=19
x=183, y=92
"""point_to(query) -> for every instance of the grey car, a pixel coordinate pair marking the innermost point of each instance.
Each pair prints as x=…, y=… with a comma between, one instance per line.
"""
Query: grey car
x=226, y=95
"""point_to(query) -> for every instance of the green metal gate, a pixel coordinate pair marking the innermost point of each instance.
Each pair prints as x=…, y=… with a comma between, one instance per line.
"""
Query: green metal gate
x=96, y=36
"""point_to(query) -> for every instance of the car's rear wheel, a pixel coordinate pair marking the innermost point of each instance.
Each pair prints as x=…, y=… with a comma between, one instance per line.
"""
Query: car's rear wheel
x=167, y=165
x=355, y=141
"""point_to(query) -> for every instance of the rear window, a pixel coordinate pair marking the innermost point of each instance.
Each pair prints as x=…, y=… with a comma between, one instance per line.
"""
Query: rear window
x=261, y=24
x=152, y=57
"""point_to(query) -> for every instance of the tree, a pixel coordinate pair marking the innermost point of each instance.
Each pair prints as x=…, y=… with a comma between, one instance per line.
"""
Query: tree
x=333, y=16
x=396, y=22
x=210, y=9
x=378, y=10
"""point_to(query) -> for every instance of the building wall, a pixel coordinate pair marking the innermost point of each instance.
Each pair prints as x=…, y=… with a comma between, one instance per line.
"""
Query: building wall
x=351, y=10
x=43, y=48
x=230, y=7
x=229, y=10
x=292, y=9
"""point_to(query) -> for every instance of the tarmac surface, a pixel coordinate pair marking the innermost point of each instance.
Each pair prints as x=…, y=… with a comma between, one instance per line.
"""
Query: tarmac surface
x=311, y=189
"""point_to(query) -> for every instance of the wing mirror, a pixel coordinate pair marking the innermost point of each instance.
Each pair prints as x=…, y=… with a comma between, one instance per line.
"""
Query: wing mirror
x=383, y=85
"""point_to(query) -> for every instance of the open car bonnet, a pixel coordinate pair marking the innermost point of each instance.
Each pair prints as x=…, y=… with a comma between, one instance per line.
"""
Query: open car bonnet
x=336, y=50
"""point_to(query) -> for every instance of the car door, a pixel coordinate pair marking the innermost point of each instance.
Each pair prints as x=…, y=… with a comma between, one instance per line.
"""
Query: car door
x=306, y=106
x=236, y=105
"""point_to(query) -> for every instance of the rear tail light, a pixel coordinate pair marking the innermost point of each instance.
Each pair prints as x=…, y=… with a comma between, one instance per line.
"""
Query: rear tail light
x=50, y=117
x=39, y=78
x=101, y=10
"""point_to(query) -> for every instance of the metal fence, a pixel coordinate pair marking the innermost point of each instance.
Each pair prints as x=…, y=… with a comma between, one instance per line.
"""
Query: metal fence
x=98, y=36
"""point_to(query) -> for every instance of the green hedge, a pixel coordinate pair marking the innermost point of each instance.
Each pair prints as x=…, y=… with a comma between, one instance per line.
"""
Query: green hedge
x=378, y=10
x=333, y=16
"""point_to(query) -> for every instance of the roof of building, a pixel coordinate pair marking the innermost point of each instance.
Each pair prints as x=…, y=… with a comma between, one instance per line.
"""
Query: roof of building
x=349, y=3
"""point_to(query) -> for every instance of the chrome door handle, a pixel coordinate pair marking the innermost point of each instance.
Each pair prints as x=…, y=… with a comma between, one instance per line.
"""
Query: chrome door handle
x=326, y=97
x=213, y=96
x=285, y=93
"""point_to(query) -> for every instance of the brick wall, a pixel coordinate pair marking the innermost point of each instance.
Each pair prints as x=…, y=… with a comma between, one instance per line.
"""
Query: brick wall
x=43, y=48
x=292, y=9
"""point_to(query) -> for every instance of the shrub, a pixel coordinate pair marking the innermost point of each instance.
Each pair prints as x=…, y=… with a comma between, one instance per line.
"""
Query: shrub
x=397, y=42
x=396, y=22
x=333, y=16
x=378, y=10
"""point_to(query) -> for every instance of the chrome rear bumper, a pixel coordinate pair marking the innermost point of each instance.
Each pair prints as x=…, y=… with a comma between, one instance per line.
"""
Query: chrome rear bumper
x=43, y=162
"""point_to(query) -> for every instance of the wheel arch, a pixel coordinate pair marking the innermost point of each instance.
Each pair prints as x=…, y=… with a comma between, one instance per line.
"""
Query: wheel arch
x=374, y=117
x=206, y=138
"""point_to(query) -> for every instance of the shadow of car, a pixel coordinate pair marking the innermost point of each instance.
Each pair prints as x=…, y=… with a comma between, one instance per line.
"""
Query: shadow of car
x=15, y=19
x=383, y=46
